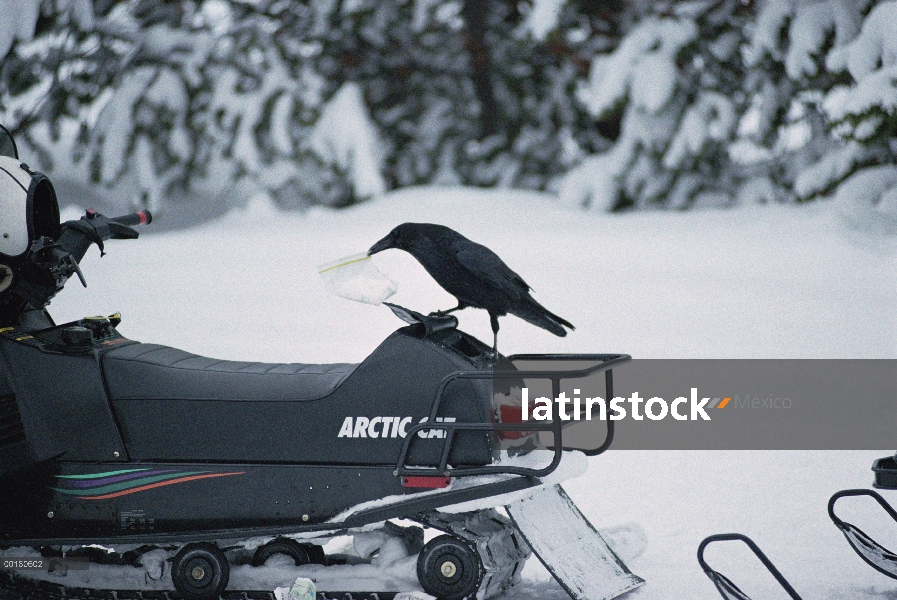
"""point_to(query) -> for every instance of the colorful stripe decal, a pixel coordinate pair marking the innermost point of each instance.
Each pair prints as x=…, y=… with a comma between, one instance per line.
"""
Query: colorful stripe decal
x=116, y=487
x=95, y=475
x=92, y=483
x=160, y=484
x=102, y=486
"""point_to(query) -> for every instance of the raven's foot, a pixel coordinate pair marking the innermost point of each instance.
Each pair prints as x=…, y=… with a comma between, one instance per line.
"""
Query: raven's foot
x=442, y=313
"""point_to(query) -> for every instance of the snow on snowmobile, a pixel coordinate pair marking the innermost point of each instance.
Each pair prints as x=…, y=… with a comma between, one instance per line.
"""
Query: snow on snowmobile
x=171, y=469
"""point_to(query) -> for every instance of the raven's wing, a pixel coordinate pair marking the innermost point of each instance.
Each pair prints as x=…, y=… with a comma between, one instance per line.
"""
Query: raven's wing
x=484, y=263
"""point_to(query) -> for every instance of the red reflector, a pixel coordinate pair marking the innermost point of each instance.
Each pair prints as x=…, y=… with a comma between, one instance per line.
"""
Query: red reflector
x=142, y=216
x=426, y=482
x=511, y=414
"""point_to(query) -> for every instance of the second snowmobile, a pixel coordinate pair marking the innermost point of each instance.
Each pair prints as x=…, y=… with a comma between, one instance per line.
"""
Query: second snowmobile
x=113, y=449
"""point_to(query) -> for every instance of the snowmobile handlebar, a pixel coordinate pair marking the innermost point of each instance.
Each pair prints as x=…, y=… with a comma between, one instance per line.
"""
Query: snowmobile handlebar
x=94, y=228
x=143, y=217
x=54, y=261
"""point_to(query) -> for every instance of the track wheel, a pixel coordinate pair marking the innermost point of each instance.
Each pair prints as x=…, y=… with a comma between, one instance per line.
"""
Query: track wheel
x=449, y=569
x=200, y=571
x=287, y=546
x=315, y=554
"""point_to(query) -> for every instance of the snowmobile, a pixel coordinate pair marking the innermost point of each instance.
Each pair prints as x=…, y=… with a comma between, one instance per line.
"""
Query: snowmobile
x=118, y=452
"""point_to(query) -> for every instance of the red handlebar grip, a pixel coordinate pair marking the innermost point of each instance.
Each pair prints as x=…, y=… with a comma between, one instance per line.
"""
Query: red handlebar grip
x=143, y=217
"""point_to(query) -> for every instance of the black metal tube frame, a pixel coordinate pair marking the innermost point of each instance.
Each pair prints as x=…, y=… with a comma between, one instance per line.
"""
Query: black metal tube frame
x=606, y=364
x=727, y=537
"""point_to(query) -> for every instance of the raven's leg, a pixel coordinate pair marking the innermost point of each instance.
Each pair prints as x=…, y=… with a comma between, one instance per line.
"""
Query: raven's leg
x=493, y=320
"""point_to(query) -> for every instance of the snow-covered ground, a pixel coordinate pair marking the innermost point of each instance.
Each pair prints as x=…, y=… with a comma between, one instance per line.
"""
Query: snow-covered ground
x=750, y=282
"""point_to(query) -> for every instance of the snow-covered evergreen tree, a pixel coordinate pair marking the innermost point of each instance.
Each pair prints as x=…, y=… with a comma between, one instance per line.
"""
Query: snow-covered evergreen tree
x=539, y=128
x=156, y=101
x=227, y=97
x=677, y=76
x=54, y=65
x=788, y=80
x=465, y=91
x=820, y=71
x=407, y=59
x=864, y=115
x=658, y=103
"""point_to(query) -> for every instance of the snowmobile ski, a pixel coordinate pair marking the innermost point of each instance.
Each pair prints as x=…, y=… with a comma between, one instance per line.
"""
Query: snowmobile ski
x=876, y=556
x=727, y=589
x=570, y=547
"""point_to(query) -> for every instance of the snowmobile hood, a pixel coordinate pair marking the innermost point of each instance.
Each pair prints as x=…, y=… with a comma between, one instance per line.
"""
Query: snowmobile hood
x=28, y=207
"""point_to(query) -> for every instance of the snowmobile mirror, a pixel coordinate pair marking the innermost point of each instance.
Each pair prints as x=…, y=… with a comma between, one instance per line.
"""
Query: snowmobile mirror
x=727, y=589
x=8, y=144
x=877, y=556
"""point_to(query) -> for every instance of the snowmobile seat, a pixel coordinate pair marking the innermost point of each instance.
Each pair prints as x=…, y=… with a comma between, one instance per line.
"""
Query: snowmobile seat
x=152, y=371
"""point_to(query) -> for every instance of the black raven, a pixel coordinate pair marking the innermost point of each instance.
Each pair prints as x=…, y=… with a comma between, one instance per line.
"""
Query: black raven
x=472, y=273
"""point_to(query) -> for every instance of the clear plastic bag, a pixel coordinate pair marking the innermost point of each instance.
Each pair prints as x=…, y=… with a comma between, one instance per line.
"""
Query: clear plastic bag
x=357, y=278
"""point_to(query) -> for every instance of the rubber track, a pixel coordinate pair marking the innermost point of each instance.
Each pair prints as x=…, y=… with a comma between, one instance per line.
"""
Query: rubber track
x=15, y=587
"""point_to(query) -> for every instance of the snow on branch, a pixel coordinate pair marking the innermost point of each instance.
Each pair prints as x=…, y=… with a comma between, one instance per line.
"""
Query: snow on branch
x=345, y=136
x=642, y=68
x=868, y=108
x=796, y=32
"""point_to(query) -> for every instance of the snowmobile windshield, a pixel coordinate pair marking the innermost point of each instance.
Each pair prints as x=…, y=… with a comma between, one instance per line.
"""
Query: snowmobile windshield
x=7, y=144
x=28, y=208
x=44, y=207
x=876, y=555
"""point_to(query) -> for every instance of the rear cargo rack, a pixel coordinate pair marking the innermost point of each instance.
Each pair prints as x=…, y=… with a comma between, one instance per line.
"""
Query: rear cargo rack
x=606, y=363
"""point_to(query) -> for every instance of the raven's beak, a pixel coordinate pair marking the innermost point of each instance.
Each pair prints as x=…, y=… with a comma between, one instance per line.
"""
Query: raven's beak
x=383, y=244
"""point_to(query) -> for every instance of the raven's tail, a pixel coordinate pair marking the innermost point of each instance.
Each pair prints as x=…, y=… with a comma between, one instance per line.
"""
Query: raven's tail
x=532, y=312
